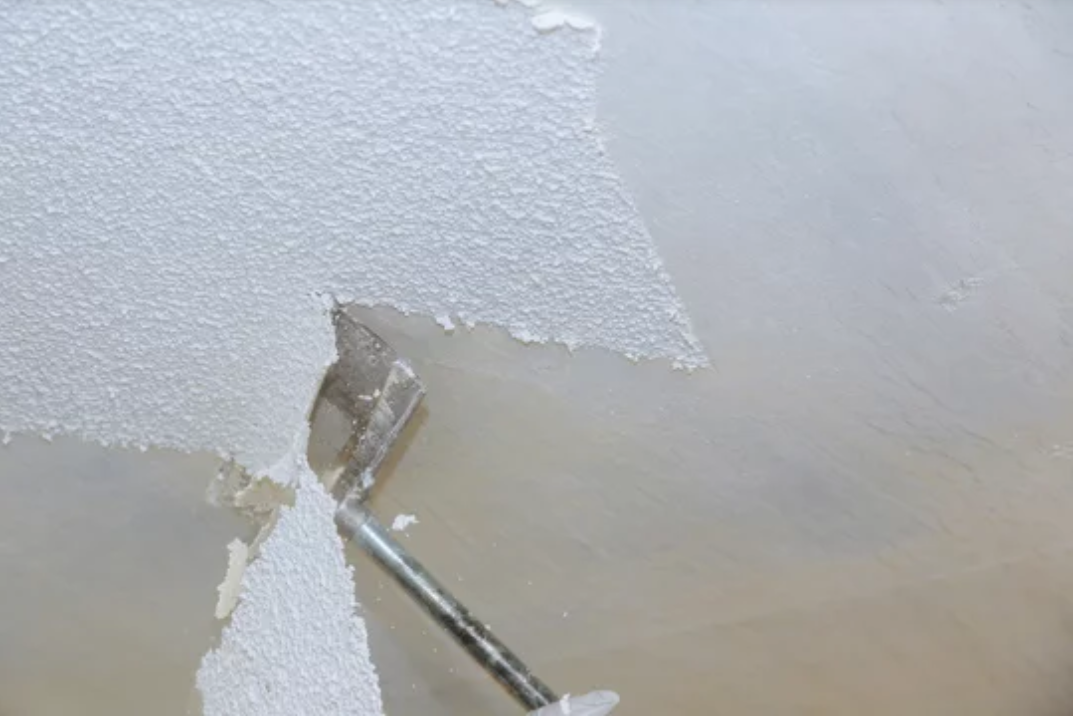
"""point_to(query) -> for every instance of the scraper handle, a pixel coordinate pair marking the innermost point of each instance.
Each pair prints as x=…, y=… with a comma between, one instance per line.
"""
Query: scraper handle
x=358, y=524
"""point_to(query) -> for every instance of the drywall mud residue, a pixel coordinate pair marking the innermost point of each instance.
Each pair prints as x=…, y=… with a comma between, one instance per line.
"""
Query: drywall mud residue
x=295, y=643
x=238, y=552
x=183, y=184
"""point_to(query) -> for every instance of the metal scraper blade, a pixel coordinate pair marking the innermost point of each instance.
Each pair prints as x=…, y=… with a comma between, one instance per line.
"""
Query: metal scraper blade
x=367, y=397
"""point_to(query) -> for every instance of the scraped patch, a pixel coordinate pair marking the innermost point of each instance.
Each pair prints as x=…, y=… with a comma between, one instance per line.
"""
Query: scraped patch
x=296, y=643
x=185, y=182
x=960, y=292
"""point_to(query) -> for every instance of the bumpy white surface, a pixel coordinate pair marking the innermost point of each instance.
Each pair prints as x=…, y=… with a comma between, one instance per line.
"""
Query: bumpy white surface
x=180, y=183
x=295, y=644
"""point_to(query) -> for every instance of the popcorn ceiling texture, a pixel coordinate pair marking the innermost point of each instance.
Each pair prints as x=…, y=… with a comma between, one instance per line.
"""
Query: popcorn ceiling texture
x=181, y=185
x=295, y=644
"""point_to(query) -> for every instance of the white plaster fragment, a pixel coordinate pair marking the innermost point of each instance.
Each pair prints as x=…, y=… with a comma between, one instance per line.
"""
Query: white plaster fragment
x=367, y=479
x=237, y=554
x=403, y=521
x=445, y=322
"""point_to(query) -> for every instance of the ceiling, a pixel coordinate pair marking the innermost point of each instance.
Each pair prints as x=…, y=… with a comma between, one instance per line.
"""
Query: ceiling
x=862, y=504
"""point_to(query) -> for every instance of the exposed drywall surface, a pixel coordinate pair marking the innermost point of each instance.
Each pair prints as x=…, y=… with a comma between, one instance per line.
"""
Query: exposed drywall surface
x=865, y=508
x=295, y=643
x=108, y=559
x=179, y=183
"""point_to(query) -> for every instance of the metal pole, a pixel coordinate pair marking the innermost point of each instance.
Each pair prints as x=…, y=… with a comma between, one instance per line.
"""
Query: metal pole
x=359, y=525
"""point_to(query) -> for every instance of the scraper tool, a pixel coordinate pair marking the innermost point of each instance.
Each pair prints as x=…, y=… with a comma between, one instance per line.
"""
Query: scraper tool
x=367, y=397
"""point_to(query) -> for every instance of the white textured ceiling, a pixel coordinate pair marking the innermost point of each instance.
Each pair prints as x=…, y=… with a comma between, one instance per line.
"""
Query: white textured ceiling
x=184, y=186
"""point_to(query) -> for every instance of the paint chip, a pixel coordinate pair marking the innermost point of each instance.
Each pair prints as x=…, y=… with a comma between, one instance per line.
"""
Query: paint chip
x=237, y=555
x=403, y=521
x=445, y=322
